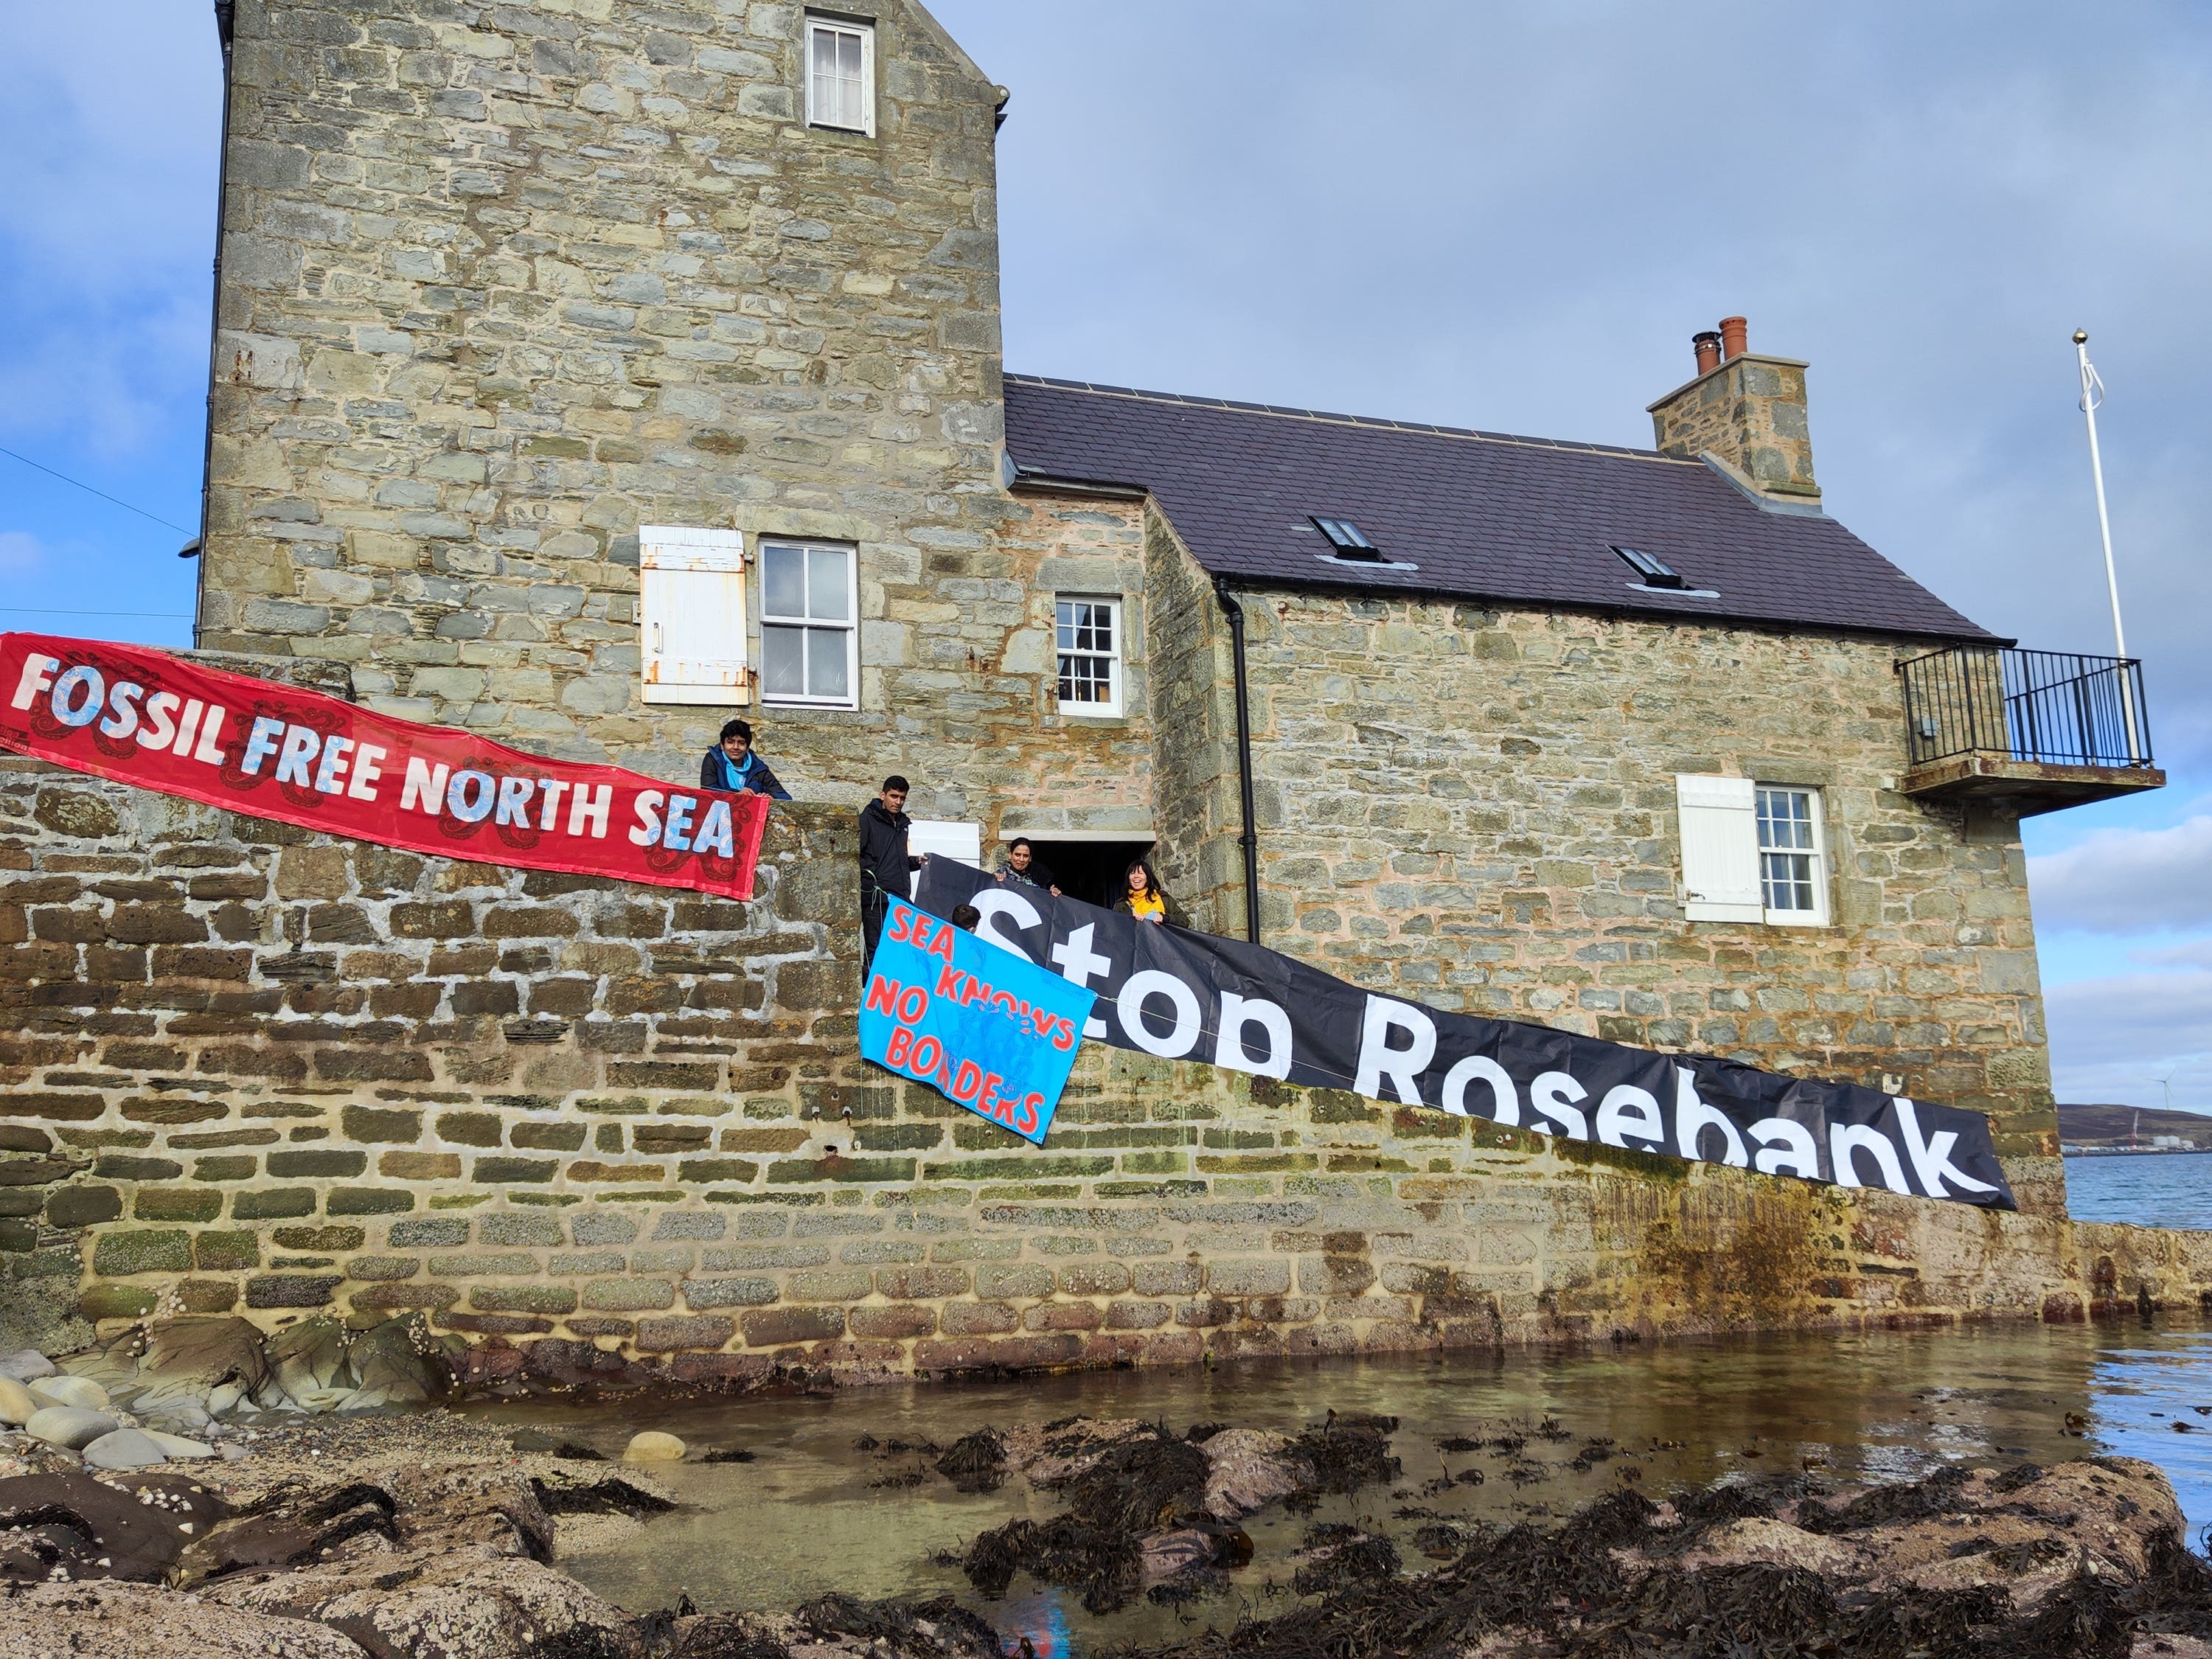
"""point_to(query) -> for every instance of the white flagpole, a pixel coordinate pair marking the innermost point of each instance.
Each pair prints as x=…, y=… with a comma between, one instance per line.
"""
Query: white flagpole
x=2092, y=394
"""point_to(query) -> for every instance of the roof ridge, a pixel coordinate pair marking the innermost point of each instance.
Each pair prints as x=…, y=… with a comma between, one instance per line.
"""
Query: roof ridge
x=1370, y=422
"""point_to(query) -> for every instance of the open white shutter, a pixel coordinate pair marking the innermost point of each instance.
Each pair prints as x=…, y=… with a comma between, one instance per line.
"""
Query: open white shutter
x=1720, y=848
x=691, y=614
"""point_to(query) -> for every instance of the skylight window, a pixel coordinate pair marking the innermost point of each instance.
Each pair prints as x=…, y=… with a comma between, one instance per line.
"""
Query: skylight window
x=1656, y=573
x=1345, y=537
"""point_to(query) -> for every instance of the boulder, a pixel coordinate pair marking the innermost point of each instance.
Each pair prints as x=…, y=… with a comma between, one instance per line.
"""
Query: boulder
x=15, y=1402
x=67, y=1426
x=28, y=1365
x=81, y=1392
x=178, y=1448
x=187, y=1360
x=310, y=1360
x=653, y=1447
x=89, y=1529
x=124, y=1448
x=1246, y=1470
x=399, y=1362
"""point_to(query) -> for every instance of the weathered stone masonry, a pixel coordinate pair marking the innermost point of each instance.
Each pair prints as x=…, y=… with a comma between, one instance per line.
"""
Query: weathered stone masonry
x=245, y=1067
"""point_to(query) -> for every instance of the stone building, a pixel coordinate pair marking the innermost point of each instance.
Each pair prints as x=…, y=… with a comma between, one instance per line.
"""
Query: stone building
x=588, y=372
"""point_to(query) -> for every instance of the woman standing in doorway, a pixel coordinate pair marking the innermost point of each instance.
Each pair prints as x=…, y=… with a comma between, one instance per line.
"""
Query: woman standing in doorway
x=1144, y=898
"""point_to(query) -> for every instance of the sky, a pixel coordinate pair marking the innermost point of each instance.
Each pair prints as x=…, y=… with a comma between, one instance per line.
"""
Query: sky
x=1494, y=215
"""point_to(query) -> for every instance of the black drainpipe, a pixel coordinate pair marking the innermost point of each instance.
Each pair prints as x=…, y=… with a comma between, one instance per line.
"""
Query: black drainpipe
x=225, y=17
x=1250, y=840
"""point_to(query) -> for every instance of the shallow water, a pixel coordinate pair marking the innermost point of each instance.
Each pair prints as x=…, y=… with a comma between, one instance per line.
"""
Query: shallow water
x=2151, y=1189
x=807, y=1515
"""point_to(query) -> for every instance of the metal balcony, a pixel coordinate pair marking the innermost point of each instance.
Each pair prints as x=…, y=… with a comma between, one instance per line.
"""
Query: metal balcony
x=2036, y=730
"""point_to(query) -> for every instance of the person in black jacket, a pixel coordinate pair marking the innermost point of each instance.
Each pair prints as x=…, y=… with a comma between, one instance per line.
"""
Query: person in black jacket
x=886, y=867
x=732, y=765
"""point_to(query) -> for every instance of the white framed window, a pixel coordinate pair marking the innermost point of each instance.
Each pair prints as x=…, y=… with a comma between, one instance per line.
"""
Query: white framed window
x=691, y=614
x=1088, y=635
x=809, y=637
x=841, y=74
x=1792, y=880
x=1752, y=852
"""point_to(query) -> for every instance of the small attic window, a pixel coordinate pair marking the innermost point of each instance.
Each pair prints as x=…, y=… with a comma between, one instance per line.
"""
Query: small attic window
x=1345, y=537
x=1656, y=573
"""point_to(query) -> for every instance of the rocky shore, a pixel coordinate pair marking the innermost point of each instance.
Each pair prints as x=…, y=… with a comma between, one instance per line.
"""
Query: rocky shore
x=261, y=1526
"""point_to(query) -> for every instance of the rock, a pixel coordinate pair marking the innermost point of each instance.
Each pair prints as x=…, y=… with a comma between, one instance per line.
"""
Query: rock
x=399, y=1362
x=180, y=1448
x=188, y=1361
x=81, y=1392
x=67, y=1426
x=144, y=1621
x=1248, y=1469
x=310, y=1361
x=653, y=1447
x=15, y=1402
x=28, y=1365
x=89, y=1529
x=125, y=1449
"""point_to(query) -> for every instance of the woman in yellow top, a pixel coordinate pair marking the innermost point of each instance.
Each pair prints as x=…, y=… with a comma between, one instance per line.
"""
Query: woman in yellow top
x=1147, y=900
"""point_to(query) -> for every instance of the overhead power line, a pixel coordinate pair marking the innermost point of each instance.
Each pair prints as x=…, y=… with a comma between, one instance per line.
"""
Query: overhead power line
x=103, y=496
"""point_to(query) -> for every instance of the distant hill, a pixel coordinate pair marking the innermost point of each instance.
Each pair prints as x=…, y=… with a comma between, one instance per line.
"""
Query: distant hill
x=2112, y=1126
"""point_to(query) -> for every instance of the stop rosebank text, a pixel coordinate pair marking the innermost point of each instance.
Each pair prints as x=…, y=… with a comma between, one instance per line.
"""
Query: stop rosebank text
x=304, y=758
x=923, y=1054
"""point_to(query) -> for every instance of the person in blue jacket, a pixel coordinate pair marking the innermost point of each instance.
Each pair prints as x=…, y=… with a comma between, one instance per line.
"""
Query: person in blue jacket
x=730, y=764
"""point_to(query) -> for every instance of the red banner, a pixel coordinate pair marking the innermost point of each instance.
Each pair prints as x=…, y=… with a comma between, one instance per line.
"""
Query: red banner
x=148, y=718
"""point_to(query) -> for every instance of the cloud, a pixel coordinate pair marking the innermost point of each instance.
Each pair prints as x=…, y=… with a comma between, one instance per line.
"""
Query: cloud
x=2112, y=1039
x=2196, y=953
x=21, y=553
x=2128, y=881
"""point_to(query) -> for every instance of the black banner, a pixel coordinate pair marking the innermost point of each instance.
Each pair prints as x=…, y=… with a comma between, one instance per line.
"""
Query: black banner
x=1182, y=995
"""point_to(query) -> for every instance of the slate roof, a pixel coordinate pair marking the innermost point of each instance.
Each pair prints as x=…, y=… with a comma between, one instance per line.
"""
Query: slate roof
x=1480, y=515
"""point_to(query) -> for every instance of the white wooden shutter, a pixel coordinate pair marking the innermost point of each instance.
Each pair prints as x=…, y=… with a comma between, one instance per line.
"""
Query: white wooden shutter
x=691, y=614
x=1720, y=848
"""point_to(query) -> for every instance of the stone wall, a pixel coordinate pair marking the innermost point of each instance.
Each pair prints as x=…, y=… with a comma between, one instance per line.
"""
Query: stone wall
x=1475, y=809
x=592, y=1127
x=500, y=284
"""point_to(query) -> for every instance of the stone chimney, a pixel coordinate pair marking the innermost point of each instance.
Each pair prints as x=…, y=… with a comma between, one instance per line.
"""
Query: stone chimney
x=1744, y=412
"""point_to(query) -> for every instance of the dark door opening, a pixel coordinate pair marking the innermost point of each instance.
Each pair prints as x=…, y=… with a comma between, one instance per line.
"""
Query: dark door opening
x=1091, y=871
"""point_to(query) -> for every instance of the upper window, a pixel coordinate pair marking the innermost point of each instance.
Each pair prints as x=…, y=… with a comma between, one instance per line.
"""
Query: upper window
x=840, y=75
x=1089, y=641
x=1346, y=539
x=1789, y=876
x=1656, y=572
x=809, y=644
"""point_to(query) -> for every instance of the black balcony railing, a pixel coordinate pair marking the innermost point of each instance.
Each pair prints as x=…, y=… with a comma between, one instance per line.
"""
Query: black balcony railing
x=2051, y=707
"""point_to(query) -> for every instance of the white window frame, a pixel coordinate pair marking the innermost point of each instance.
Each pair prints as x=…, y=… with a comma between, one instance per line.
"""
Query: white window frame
x=816, y=116
x=1724, y=865
x=1116, y=659
x=1817, y=855
x=850, y=624
x=671, y=560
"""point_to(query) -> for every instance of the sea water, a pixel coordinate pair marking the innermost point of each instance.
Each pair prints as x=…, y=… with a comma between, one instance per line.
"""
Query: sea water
x=2151, y=1189
x=815, y=1510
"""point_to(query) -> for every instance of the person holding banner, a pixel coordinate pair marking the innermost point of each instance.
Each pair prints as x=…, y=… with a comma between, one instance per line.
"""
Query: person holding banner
x=1147, y=900
x=1019, y=867
x=886, y=867
x=730, y=764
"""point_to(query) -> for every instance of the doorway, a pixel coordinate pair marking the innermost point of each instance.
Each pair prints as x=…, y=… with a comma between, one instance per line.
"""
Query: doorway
x=1091, y=870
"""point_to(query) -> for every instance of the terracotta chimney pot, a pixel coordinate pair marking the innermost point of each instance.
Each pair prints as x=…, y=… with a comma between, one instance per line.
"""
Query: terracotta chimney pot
x=1708, y=347
x=1734, y=336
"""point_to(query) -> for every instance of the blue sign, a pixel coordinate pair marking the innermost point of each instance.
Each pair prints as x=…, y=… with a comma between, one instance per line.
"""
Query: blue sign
x=983, y=1027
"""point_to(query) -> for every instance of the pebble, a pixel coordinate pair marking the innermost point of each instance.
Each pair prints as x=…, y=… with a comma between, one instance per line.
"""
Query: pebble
x=126, y=1449
x=80, y=1392
x=69, y=1426
x=653, y=1447
x=15, y=1402
x=27, y=1365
